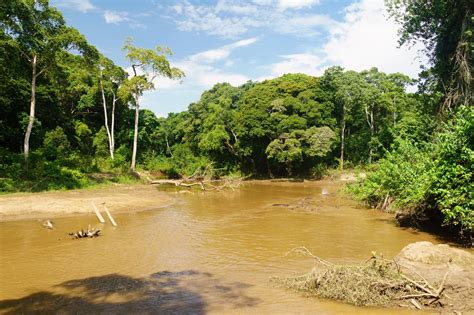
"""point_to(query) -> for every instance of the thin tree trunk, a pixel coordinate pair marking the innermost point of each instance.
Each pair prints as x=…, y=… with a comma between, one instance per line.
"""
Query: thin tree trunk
x=394, y=112
x=26, y=143
x=372, y=134
x=168, y=145
x=370, y=121
x=104, y=103
x=343, y=131
x=112, y=126
x=269, y=169
x=135, y=135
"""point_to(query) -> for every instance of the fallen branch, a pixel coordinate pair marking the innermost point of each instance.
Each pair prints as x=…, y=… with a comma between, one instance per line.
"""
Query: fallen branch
x=306, y=252
x=377, y=282
x=205, y=185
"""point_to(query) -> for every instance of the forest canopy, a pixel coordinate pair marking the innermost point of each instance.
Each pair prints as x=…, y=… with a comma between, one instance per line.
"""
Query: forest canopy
x=70, y=116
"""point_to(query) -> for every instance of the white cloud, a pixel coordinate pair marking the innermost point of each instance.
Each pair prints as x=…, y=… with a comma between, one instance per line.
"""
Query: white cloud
x=211, y=55
x=237, y=8
x=244, y=42
x=297, y=63
x=221, y=53
x=200, y=73
x=114, y=17
x=118, y=17
x=230, y=19
x=210, y=20
x=366, y=38
x=79, y=5
x=306, y=25
x=296, y=4
x=199, y=76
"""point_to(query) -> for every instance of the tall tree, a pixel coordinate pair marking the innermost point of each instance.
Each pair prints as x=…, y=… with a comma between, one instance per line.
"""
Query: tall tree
x=111, y=77
x=446, y=29
x=147, y=64
x=39, y=33
x=347, y=90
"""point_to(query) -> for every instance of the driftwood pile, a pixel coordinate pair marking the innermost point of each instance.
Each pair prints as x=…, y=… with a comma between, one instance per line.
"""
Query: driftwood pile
x=89, y=233
x=204, y=179
x=377, y=282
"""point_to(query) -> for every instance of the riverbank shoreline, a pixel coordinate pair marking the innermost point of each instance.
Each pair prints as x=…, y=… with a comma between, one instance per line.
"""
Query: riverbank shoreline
x=118, y=198
x=51, y=204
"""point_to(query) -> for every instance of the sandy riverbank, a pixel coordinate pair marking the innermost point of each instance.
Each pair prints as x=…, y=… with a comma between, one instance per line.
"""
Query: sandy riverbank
x=118, y=198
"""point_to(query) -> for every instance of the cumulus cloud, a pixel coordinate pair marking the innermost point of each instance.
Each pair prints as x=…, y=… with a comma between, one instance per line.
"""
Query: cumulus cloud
x=114, y=17
x=221, y=53
x=79, y=5
x=213, y=20
x=296, y=4
x=297, y=63
x=367, y=38
x=202, y=72
x=364, y=38
x=230, y=19
x=306, y=25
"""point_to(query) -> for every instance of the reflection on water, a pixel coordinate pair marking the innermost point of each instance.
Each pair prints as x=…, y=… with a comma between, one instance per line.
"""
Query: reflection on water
x=211, y=252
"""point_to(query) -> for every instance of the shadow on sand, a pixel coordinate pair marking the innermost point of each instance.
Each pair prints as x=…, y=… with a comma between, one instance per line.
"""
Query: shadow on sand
x=185, y=292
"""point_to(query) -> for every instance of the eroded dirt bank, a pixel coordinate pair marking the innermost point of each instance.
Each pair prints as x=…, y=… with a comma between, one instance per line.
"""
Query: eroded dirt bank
x=450, y=268
x=117, y=198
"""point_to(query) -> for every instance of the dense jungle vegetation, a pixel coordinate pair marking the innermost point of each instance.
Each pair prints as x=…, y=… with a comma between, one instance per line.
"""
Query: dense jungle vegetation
x=69, y=116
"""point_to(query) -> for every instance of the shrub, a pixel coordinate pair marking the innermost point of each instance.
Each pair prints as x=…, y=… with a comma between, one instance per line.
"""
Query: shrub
x=56, y=144
x=453, y=177
x=432, y=177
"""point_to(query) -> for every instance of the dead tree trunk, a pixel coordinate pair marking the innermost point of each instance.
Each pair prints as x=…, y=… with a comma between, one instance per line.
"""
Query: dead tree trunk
x=369, y=115
x=135, y=134
x=343, y=131
x=112, y=126
x=106, y=123
x=26, y=143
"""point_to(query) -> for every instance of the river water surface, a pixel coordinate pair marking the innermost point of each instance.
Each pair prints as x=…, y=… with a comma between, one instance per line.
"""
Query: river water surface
x=210, y=252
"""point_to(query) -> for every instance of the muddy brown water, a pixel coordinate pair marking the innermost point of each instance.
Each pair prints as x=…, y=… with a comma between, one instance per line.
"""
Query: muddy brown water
x=210, y=252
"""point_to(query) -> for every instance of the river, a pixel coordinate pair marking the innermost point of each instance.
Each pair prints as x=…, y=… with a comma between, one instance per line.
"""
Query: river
x=210, y=252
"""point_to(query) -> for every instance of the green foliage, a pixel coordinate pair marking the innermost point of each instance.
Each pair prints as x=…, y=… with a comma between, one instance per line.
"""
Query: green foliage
x=182, y=163
x=285, y=150
x=453, y=184
x=318, y=142
x=100, y=143
x=432, y=178
x=404, y=175
x=291, y=149
x=445, y=27
x=56, y=144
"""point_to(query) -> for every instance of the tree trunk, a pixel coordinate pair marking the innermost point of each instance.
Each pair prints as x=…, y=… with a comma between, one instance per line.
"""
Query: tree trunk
x=104, y=103
x=343, y=131
x=394, y=112
x=168, y=145
x=112, y=126
x=371, y=122
x=26, y=143
x=269, y=169
x=135, y=135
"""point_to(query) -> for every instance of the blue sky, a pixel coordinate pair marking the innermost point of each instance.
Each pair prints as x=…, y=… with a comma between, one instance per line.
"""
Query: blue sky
x=235, y=40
